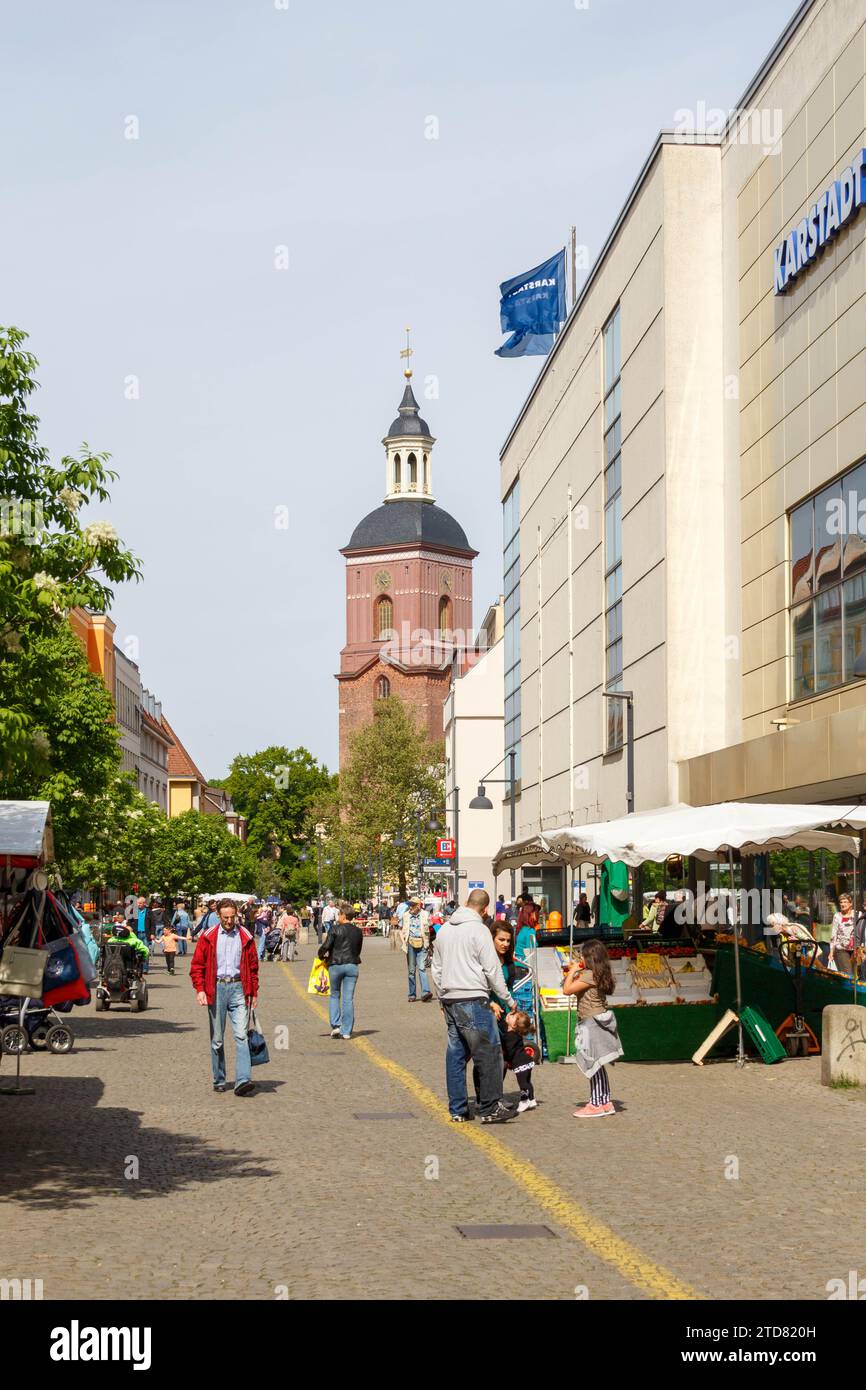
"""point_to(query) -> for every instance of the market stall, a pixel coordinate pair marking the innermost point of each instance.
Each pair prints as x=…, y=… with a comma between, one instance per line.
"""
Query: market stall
x=674, y=1025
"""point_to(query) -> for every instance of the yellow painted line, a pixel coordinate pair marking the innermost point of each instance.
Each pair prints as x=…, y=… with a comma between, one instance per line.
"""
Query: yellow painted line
x=640, y=1271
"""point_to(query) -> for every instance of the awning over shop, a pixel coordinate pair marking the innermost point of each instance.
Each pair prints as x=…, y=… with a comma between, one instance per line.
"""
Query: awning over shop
x=709, y=832
x=706, y=832
x=26, y=837
x=535, y=850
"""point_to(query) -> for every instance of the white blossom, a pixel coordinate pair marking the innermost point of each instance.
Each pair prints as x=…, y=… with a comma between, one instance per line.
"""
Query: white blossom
x=71, y=499
x=42, y=580
x=12, y=642
x=41, y=744
x=100, y=533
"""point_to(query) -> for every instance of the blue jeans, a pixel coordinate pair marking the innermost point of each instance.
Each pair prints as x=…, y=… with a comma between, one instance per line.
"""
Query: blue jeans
x=229, y=1000
x=181, y=946
x=415, y=960
x=472, y=1034
x=342, y=1001
x=260, y=946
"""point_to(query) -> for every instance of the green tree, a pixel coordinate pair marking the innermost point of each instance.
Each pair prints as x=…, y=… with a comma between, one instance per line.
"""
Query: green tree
x=274, y=789
x=394, y=773
x=196, y=853
x=74, y=754
x=49, y=561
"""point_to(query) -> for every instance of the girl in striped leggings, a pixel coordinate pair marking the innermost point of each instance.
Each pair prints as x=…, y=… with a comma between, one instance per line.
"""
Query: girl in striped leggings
x=590, y=979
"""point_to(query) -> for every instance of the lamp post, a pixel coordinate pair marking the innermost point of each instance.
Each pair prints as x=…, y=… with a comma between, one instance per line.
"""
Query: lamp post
x=482, y=801
x=628, y=696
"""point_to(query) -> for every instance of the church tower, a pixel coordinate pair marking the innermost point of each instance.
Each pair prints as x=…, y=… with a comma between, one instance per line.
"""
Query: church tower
x=408, y=588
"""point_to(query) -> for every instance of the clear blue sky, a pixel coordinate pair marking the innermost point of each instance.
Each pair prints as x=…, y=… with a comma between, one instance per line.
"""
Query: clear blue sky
x=305, y=127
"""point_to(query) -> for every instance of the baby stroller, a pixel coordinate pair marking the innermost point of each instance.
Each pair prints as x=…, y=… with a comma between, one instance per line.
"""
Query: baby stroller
x=272, y=943
x=41, y=1027
x=121, y=978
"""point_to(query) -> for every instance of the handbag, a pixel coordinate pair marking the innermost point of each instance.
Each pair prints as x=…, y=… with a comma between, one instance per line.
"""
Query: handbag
x=257, y=1042
x=21, y=971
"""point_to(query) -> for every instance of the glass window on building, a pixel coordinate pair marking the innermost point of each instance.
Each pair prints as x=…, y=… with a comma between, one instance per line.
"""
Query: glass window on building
x=613, y=664
x=828, y=586
x=511, y=634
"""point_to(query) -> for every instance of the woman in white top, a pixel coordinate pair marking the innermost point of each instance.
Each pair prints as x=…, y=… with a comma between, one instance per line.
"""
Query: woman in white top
x=842, y=935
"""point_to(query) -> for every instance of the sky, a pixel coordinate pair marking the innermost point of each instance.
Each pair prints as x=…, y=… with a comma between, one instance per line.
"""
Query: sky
x=219, y=218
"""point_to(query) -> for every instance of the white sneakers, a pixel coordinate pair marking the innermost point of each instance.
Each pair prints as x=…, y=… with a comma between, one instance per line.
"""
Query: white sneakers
x=526, y=1105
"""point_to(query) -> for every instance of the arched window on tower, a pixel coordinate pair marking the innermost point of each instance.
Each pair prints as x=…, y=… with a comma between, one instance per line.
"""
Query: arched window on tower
x=384, y=616
x=383, y=688
x=413, y=473
x=396, y=472
x=444, y=617
x=426, y=473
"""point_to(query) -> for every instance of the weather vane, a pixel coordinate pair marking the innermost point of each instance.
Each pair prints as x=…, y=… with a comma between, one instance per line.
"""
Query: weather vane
x=407, y=352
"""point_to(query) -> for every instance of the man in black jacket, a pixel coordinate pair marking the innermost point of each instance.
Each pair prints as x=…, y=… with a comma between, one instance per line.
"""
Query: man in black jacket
x=341, y=952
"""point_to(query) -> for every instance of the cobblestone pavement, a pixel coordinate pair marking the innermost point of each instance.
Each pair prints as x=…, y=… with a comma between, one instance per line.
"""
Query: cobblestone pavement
x=287, y=1192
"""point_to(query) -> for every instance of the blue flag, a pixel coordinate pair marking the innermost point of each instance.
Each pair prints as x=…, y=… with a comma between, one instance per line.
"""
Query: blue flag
x=532, y=307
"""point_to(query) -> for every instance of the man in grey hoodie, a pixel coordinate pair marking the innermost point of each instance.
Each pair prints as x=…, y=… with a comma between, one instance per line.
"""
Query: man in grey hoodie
x=466, y=971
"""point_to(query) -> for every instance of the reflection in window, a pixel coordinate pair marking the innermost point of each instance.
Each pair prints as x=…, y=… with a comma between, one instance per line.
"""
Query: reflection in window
x=828, y=617
x=828, y=639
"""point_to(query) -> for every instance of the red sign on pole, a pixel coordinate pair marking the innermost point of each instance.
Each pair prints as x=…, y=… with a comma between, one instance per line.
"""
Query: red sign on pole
x=445, y=849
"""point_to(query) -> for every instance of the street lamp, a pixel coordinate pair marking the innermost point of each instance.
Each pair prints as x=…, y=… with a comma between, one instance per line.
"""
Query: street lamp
x=482, y=801
x=628, y=696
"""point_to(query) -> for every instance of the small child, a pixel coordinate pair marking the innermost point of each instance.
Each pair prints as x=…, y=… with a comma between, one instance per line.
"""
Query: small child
x=520, y=1056
x=169, y=946
x=591, y=979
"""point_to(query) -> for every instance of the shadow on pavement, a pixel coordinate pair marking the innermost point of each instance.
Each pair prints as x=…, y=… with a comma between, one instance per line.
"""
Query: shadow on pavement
x=60, y=1150
x=124, y=1024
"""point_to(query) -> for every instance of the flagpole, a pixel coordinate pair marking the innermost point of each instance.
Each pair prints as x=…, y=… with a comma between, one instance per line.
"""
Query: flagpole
x=573, y=266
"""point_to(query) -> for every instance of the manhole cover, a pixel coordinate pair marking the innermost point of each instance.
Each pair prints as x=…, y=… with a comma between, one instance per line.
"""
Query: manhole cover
x=506, y=1232
x=385, y=1115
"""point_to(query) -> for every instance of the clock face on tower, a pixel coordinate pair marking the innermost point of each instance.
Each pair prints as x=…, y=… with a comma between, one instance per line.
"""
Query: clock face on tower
x=446, y=582
x=383, y=580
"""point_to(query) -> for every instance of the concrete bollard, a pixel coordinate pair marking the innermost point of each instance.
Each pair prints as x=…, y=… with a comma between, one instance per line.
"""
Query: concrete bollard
x=843, y=1044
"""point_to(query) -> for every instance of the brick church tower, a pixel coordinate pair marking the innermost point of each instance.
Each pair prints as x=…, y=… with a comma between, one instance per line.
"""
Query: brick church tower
x=408, y=589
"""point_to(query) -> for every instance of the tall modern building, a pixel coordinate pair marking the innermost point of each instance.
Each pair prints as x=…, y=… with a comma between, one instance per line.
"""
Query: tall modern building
x=408, y=588
x=684, y=488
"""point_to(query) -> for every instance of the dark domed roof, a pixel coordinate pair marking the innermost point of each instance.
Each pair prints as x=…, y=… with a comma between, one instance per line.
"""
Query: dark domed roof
x=407, y=521
x=408, y=420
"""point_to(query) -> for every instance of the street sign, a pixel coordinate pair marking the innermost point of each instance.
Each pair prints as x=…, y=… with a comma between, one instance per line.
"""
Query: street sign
x=446, y=849
x=436, y=863
x=476, y=883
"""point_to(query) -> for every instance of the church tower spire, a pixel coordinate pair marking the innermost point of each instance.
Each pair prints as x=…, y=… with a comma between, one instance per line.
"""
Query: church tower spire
x=408, y=447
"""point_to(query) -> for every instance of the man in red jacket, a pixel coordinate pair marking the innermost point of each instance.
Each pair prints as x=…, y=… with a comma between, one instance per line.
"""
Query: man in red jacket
x=225, y=976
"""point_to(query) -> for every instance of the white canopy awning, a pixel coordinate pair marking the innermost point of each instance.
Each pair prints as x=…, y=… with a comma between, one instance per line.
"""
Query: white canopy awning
x=535, y=850
x=706, y=832
x=25, y=830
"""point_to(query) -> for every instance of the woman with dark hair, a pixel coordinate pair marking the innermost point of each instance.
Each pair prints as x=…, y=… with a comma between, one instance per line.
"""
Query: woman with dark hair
x=518, y=976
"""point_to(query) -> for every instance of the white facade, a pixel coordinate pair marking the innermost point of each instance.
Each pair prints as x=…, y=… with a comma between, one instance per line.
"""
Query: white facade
x=473, y=731
x=153, y=774
x=127, y=706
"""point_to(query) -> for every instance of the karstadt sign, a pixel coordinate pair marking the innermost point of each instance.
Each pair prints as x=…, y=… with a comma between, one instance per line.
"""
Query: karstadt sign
x=836, y=206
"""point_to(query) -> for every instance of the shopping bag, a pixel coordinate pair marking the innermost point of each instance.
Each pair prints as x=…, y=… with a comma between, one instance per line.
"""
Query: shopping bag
x=62, y=978
x=257, y=1043
x=21, y=971
x=319, y=982
x=85, y=961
